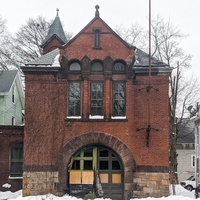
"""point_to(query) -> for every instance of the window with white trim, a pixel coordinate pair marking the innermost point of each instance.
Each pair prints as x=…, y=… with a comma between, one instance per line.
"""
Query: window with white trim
x=74, y=99
x=118, y=99
x=13, y=94
x=16, y=159
x=96, y=99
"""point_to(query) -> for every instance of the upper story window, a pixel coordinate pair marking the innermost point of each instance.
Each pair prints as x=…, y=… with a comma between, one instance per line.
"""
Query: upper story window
x=16, y=159
x=118, y=99
x=96, y=99
x=119, y=67
x=74, y=99
x=13, y=94
x=97, y=66
x=97, y=38
x=75, y=66
x=13, y=120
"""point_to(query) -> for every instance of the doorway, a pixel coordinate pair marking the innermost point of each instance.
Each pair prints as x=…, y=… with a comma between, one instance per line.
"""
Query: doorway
x=96, y=169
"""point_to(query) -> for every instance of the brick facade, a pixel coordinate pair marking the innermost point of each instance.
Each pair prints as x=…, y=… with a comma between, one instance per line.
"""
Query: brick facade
x=52, y=138
x=9, y=135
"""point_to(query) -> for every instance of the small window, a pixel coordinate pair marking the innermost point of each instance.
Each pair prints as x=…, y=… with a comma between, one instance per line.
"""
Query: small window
x=13, y=121
x=96, y=103
x=75, y=66
x=74, y=99
x=97, y=38
x=118, y=99
x=193, y=161
x=97, y=67
x=13, y=94
x=16, y=160
x=119, y=67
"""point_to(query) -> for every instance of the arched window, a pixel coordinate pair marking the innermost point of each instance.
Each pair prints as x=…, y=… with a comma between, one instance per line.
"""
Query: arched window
x=97, y=66
x=75, y=66
x=97, y=38
x=119, y=67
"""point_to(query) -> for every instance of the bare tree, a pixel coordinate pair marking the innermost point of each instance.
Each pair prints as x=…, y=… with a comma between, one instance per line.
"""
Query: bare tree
x=165, y=41
x=134, y=35
x=27, y=41
x=5, y=50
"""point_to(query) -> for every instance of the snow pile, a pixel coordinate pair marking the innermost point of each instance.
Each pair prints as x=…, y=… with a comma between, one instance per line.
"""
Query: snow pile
x=181, y=194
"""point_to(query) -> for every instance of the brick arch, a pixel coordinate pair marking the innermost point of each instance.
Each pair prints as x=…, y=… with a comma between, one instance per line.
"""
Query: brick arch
x=103, y=139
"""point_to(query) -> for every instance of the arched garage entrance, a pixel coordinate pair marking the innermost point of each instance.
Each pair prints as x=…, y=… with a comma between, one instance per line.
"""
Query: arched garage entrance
x=96, y=169
x=103, y=140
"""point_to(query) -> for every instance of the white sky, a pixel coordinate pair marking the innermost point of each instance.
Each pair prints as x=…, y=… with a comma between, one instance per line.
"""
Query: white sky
x=75, y=14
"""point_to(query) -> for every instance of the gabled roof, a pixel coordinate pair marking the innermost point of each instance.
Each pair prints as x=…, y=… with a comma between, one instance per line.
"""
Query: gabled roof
x=97, y=17
x=48, y=59
x=55, y=30
x=6, y=80
x=142, y=60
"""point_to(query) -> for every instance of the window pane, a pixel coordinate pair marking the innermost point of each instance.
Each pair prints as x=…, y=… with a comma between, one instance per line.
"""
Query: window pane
x=103, y=165
x=76, y=164
x=74, y=107
x=115, y=165
x=97, y=66
x=16, y=160
x=96, y=99
x=88, y=164
x=118, y=99
x=75, y=66
x=88, y=152
x=97, y=38
x=119, y=67
x=16, y=169
x=103, y=153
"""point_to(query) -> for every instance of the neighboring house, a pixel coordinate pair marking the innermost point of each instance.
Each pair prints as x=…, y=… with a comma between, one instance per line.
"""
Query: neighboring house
x=11, y=98
x=196, y=120
x=11, y=130
x=186, y=150
x=96, y=121
x=11, y=157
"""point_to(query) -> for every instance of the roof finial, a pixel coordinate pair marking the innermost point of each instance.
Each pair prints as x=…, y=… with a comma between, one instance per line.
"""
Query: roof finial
x=97, y=11
x=57, y=11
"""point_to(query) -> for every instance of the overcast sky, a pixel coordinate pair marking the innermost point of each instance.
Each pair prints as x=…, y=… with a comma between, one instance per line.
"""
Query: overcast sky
x=75, y=14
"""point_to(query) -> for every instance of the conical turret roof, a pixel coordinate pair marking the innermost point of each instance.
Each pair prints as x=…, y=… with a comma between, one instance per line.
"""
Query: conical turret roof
x=55, y=30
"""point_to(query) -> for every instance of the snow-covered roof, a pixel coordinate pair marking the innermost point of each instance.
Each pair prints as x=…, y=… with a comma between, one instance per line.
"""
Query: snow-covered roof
x=50, y=59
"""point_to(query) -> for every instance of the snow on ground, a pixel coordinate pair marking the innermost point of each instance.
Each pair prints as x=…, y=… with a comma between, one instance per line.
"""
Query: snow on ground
x=181, y=194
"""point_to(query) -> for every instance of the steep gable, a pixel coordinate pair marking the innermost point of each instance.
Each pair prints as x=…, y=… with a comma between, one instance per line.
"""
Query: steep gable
x=108, y=42
x=55, y=37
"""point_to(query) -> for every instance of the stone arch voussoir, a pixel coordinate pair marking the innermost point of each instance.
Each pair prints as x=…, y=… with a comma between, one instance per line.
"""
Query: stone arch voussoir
x=103, y=139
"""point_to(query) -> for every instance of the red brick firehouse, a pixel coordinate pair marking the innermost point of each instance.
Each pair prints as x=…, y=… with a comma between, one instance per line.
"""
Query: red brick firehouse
x=96, y=121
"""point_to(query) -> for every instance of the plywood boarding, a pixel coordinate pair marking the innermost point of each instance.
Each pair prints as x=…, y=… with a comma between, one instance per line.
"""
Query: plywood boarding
x=75, y=177
x=116, y=178
x=87, y=177
x=104, y=178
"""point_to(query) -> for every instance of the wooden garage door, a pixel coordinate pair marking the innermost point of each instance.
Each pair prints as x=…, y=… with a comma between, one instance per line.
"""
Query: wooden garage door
x=97, y=161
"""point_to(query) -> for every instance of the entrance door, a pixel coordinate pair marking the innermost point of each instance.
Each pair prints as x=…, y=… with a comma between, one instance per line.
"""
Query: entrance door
x=96, y=169
x=110, y=173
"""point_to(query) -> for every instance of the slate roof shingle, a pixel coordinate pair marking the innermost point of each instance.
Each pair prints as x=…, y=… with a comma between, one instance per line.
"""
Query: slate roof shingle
x=56, y=29
x=6, y=80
